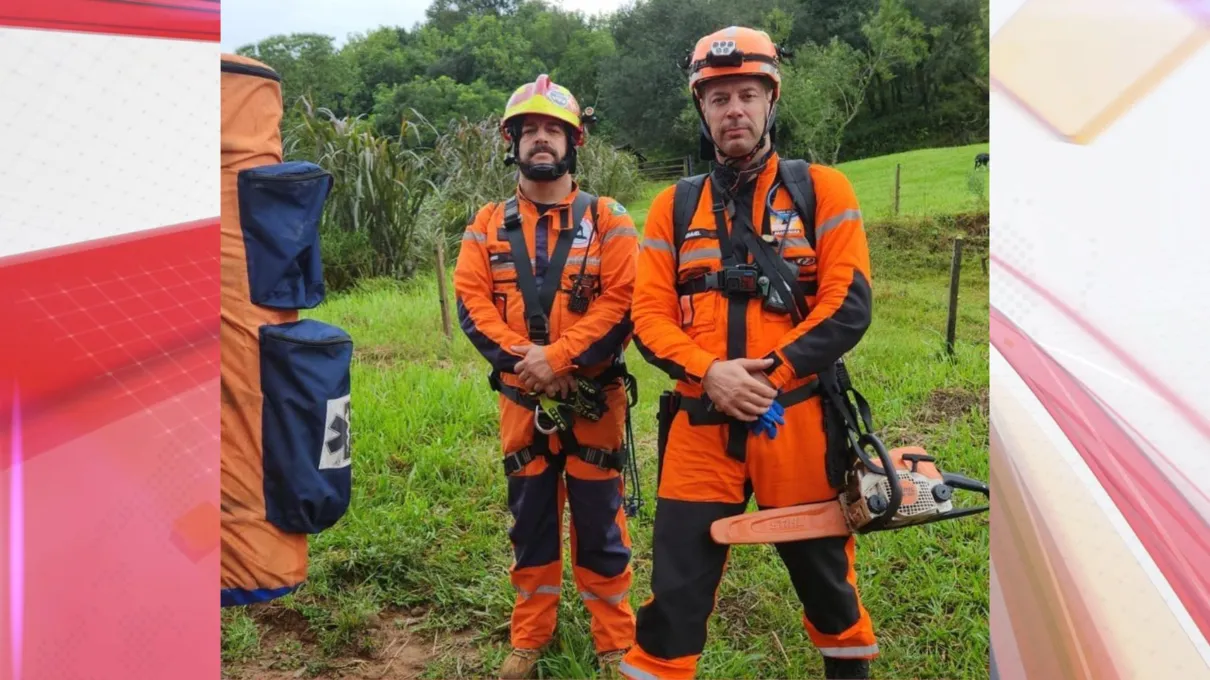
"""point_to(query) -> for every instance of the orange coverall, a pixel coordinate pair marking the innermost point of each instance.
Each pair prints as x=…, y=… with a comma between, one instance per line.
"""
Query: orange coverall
x=699, y=481
x=492, y=315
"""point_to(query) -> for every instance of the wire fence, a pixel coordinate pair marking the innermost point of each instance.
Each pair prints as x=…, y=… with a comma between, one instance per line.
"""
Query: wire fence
x=666, y=169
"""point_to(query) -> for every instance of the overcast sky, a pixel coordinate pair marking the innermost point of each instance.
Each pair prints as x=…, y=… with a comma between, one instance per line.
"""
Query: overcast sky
x=249, y=21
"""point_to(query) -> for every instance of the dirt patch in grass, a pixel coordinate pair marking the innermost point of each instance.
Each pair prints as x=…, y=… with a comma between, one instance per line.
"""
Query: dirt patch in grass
x=399, y=649
x=736, y=609
x=895, y=435
x=383, y=356
x=390, y=356
x=953, y=403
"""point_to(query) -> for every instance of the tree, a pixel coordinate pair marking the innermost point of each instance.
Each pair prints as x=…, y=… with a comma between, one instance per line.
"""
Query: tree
x=439, y=100
x=643, y=85
x=309, y=67
x=827, y=88
x=383, y=57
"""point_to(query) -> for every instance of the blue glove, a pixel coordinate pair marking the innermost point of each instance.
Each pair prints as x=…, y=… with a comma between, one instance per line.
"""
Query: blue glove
x=774, y=417
x=767, y=423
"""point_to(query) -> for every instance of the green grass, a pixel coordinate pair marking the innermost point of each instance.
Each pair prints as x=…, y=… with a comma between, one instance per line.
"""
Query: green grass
x=931, y=182
x=940, y=181
x=423, y=552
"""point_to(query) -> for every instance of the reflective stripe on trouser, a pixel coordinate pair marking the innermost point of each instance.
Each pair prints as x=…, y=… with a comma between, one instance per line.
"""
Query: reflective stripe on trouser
x=600, y=546
x=700, y=484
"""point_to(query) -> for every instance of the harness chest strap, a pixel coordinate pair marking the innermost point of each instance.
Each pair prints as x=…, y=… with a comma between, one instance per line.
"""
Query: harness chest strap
x=794, y=176
x=538, y=304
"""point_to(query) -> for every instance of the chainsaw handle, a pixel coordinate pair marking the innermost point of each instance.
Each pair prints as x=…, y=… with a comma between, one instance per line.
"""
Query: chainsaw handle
x=966, y=483
x=892, y=475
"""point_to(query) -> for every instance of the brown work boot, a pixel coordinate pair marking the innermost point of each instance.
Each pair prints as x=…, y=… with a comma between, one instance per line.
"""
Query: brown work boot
x=608, y=663
x=520, y=664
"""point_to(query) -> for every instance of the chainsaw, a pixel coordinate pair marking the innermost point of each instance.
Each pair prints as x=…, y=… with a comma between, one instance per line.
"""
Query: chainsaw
x=868, y=503
x=869, y=500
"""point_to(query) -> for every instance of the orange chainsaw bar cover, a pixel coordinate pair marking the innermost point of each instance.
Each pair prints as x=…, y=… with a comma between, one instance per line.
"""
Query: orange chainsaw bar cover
x=797, y=522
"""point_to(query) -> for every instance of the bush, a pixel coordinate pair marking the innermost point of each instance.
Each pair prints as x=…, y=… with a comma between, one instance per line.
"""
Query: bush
x=925, y=242
x=469, y=172
x=391, y=202
x=370, y=217
x=604, y=171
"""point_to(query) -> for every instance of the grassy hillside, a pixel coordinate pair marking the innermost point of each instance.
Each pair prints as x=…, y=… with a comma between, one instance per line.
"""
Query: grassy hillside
x=931, y=182
x=413, y=581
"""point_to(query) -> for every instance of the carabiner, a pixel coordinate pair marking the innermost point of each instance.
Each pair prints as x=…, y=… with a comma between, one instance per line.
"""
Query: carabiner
x=538, y=422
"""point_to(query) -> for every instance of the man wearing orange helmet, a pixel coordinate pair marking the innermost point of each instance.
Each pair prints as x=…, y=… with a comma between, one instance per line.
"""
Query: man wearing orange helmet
x=752, y=283
x=544, y=282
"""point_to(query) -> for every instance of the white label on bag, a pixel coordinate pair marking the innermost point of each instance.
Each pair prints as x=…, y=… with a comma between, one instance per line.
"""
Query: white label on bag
x=335, y=453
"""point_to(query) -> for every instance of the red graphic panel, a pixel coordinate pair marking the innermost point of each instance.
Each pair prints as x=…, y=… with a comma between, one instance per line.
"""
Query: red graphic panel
x=183, y=19
x=109, y=434
x=110, y=326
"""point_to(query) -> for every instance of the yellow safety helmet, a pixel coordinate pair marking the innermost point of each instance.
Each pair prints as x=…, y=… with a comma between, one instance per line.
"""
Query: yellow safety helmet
x=545, y=98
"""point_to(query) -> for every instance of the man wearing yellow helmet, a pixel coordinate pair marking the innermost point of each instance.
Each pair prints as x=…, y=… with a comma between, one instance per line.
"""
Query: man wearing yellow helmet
x=544, y=282
x=752, y=282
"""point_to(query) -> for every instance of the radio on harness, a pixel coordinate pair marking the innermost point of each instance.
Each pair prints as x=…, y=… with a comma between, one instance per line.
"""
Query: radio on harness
x=582, y=289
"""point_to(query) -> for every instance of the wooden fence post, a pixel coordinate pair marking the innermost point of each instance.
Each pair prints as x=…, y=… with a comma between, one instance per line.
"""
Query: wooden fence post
x=896, y=189
x=445, y=310
x=955, y=270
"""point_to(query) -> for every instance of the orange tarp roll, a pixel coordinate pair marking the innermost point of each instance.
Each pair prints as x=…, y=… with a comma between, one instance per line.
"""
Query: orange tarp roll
x=285, y=381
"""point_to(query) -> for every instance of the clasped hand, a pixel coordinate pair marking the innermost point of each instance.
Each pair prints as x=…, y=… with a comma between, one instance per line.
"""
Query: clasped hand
x=739, y=388
x=536, y=375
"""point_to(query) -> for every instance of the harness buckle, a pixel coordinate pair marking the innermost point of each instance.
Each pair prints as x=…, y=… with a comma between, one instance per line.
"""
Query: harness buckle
x=539, y=330
x=516, y=461
x=740, y=281
x=606, y=460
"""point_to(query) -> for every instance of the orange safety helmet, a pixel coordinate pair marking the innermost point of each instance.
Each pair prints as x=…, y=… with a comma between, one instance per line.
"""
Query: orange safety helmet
x=735, y=51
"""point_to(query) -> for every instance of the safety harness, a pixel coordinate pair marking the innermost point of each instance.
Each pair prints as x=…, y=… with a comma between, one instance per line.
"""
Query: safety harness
x=879, y=490
x=553, y=416
x=768, y=279
x=856, y=460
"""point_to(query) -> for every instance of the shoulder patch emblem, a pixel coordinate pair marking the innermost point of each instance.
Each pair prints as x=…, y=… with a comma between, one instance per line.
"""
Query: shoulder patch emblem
x=616, y=208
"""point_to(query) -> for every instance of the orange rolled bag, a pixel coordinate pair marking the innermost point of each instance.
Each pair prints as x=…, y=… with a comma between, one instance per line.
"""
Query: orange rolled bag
x=286, y=461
